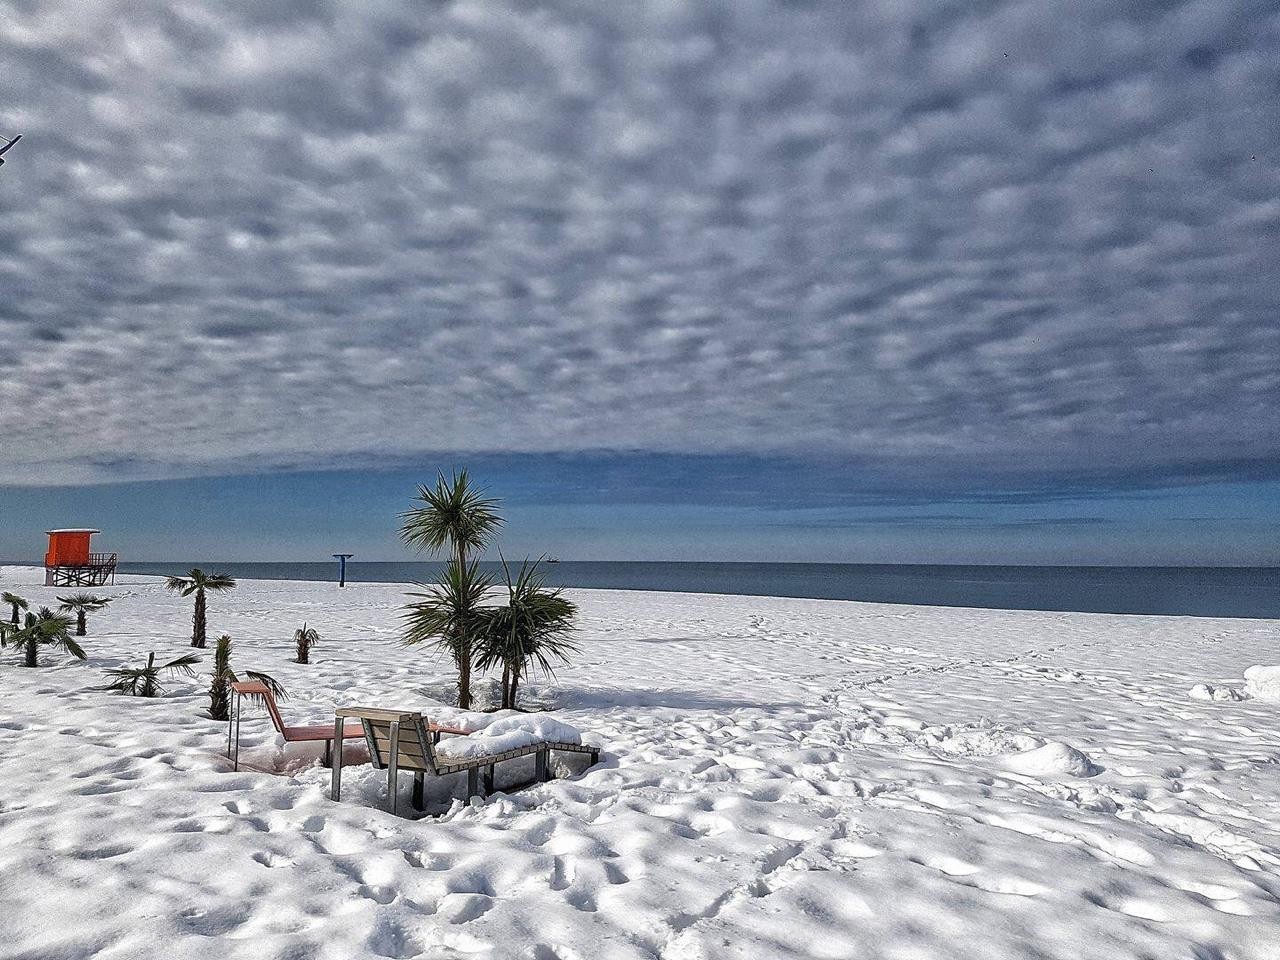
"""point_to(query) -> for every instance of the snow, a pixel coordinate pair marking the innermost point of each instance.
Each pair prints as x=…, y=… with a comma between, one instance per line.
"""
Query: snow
x=779, y=778
x=1052, y=759
x=507, y=732
x=1262, y=682
x=1207, y=691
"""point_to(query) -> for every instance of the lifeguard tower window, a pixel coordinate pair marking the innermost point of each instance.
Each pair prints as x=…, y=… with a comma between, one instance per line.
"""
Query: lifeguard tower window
x=70, y=561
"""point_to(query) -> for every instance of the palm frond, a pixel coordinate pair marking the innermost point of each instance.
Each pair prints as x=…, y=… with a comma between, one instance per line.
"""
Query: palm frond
x=180, y=585
x=448, y=614
x=453, y=512
x=127, y=681
x=308, y=634
x=44, y=628
x=271, y=683
x=304, y=639
x=83, y=601
x=52, y=625
x=145, y=681
x=531, y=631
x=182, y=665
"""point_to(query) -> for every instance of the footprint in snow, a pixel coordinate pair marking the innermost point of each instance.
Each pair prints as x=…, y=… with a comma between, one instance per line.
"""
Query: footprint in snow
x=461, y=908
x=268, y=859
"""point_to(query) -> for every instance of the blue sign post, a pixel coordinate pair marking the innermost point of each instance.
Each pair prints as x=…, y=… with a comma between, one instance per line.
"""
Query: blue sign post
x=342, y=559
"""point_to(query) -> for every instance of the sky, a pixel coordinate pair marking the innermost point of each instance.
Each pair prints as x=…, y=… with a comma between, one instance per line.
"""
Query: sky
x=882, y=281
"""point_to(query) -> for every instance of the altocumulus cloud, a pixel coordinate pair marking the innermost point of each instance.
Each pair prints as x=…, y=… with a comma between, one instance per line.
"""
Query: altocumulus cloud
x=962, y=234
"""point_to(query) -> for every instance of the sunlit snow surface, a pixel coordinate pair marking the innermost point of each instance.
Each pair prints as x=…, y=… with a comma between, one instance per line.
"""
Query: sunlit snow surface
x=780, y=778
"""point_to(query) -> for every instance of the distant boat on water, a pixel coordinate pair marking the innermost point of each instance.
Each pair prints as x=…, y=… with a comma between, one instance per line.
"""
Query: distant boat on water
x=553, y=559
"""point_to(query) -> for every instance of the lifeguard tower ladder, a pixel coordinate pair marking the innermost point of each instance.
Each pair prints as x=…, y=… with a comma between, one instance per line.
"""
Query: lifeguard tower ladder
x=69, y=562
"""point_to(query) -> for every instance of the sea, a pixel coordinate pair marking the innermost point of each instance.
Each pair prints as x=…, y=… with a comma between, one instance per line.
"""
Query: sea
x=1252, y=592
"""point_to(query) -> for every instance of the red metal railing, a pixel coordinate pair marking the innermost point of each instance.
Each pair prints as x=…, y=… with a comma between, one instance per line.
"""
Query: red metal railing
x=94, y=560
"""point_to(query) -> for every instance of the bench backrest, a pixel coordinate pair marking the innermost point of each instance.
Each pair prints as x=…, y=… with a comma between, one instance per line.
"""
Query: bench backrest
x=252, y=688
x=415, y=748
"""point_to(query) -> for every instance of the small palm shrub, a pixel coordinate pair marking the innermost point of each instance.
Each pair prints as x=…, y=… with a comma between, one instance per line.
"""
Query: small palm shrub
x=199, y=582
x=224, y=677
x=145, y=681
x=16, y=603
x=528, y=632
x=45, y=628
x=305, y=639
x=82, y=604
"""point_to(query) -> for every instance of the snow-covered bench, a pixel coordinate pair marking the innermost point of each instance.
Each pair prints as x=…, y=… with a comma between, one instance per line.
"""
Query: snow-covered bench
x=295, y=734
x=400, y=740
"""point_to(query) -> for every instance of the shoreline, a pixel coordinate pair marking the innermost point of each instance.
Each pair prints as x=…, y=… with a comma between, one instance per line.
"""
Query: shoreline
x=1251, y=593
x=690, y=596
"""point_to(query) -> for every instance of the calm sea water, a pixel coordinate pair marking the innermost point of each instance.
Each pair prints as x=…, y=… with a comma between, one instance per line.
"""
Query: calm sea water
x=1192, y=591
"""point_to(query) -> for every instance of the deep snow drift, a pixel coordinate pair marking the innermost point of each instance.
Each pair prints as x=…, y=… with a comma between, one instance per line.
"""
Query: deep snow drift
x=779, y=778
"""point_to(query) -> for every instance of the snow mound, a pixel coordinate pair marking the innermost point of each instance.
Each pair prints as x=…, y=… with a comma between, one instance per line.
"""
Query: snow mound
x=1262, y=682
x=467, y=720
x=987, y=743
x=1052, y=759
x=509, y=732
x=1206, y=691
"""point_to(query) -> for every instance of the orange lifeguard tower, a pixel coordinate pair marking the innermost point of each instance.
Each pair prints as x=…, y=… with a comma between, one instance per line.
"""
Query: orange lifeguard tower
x=69, y=562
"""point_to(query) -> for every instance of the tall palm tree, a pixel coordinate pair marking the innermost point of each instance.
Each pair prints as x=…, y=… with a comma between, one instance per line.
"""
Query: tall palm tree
x=529, y=631
x=82, y=604
x=16, y=602
x=197, y=582
x=449, y=617
x=45, y=628
x=456, y=515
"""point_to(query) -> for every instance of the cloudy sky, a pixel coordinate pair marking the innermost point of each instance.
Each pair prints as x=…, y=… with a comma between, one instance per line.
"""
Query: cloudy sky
x=813, y=265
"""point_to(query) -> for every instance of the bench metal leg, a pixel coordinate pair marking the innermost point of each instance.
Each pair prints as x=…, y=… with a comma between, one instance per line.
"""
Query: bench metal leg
x=328, y=753
x=230, y=717
x=473, y=782
x=393, y=761
x=488, y=779
x=541, y=773
x=235, y=759
x=418, y=779
x=336, y=790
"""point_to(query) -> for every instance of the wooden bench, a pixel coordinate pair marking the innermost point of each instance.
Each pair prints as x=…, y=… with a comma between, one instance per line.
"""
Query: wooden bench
x=404, y=740
x=298, y=734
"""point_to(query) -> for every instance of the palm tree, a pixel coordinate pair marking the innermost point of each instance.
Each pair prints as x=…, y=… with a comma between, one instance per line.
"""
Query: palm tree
x=145, y=681
x=197, y=582
x=82, y=603
x=16, y=602
x=449, y=617
x=460, y=516
x=224, y=677
x=528, y=632
x=44, y=628
x=306, y=638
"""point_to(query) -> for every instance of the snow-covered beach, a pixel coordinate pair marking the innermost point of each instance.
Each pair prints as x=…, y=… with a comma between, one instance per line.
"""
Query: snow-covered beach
x=779, y=778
